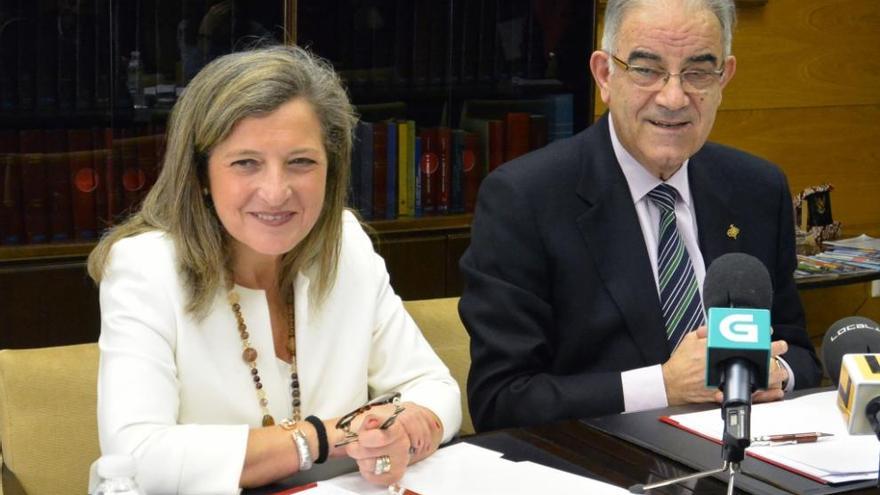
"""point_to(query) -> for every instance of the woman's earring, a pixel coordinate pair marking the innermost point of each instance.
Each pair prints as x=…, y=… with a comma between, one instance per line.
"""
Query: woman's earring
x=205, y=192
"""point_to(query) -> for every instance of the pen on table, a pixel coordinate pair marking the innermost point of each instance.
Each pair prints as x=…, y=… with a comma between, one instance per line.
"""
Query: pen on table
x=786, y=438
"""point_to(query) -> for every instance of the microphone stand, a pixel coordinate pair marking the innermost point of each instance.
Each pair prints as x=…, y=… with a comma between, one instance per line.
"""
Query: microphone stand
x=737, y=384
x=730, y=467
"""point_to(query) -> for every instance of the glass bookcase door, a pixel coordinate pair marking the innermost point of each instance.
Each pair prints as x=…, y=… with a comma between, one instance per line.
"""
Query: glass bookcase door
x=448, y=90
x=86, y=87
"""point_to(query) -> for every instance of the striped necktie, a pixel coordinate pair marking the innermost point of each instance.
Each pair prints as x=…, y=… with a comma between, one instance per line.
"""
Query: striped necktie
x=679, y=294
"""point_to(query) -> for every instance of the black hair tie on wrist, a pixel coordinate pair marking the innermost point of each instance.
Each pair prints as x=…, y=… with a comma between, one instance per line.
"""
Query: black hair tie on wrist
x=323, y=445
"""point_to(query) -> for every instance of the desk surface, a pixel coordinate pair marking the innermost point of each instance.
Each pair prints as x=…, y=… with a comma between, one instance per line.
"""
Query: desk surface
x=587, y=448
x=584, y=448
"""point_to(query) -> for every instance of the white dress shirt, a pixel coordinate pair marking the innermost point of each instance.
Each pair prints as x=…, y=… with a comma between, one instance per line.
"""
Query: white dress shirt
x=175, y=393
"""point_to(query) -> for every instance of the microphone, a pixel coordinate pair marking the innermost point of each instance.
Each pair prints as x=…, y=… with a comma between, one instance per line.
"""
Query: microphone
x=850, y=335
x=858, y=395
x=737, y=294
x=849, y=353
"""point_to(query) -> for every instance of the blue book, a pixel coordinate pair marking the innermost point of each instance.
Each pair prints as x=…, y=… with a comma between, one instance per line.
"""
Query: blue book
x=417, y=154
x=364, y=150
x=560, y=116
x=391, y=184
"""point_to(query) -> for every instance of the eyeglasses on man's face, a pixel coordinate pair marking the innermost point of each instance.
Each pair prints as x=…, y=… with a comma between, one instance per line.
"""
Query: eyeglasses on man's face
x=692, y=80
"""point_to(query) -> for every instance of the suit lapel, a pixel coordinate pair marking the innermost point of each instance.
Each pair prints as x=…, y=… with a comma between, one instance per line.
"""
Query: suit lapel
x=614, y=239
x=716, y=218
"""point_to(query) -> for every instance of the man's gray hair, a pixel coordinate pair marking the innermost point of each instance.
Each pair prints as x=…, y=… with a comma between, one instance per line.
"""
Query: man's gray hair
x=616, y=10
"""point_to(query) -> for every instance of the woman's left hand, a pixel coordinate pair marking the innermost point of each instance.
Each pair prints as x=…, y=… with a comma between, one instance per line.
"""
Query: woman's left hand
x=381, y=455
x=423, y=428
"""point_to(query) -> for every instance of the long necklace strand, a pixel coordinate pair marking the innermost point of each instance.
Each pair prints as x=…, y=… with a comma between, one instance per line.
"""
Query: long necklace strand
x=249, y=355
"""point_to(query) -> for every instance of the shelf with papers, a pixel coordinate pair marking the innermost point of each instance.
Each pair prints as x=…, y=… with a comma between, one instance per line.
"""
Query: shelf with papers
x=824, y=280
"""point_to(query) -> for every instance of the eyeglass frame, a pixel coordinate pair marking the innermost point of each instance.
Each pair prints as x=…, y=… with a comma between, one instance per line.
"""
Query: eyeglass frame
x=344, y=422
x=666, y=75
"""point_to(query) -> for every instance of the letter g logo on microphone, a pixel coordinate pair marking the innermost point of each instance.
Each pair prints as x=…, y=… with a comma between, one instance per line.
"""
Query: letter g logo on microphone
x=739, y=328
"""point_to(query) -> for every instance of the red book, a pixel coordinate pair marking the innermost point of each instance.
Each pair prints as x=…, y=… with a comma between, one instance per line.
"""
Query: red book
x=496, y=144
x=444, y=180
x=517, y=142
x=146, y=158
x=115, y=192
x=84, y=183
x=537, y=131
x=11, y=231
x=471, y=176
x=429, y=164
x=380, y=170
x=159, y=134
x=133, y=177
x=102, y=157
x=33, y=186
x=58, y=174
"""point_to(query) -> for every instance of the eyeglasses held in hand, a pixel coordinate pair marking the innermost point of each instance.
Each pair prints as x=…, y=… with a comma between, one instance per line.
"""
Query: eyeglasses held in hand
x=344, y=422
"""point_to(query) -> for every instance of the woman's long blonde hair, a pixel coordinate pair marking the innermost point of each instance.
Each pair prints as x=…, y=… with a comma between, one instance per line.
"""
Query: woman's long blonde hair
x=225, y=91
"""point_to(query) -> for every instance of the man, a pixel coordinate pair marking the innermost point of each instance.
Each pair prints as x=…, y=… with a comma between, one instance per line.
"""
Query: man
x=574, y=306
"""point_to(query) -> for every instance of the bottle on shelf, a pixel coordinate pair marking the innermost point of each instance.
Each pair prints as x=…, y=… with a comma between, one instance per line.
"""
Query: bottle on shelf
x=116, y=474
x=135, y=80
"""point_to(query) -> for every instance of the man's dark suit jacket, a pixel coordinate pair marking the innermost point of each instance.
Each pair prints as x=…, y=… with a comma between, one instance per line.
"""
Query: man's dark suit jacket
x=560, y=296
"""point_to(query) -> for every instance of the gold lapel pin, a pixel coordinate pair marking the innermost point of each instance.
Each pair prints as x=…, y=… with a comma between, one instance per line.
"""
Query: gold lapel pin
x=732, y=231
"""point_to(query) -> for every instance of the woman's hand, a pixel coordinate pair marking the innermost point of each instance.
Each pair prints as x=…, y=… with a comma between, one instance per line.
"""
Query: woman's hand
x=423, y=428
x=381, y=455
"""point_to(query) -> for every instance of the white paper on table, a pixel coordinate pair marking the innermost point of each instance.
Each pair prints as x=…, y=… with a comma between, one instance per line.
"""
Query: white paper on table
x=843, y=457
x=327, y=489
x=464, y=469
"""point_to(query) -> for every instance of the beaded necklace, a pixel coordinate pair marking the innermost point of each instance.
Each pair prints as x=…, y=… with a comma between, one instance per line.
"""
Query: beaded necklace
x=249, y=354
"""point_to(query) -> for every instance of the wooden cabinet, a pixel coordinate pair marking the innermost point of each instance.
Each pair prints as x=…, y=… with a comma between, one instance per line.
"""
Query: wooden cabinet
x=50, y=299
x=422, y=255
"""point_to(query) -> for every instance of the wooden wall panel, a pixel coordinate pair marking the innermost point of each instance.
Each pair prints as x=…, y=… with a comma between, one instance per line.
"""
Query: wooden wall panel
x=814, y=145
x=793, y=53
x=825, y=306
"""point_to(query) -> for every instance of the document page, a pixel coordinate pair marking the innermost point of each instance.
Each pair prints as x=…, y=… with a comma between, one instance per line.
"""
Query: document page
x=465, y=469
x=835, y=459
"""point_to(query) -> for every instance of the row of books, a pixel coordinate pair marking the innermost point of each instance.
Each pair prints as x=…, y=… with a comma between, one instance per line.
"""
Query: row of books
x=63, y=185
x=399, y=170
x=847, y=256
x=429, y=42
x=60, y=185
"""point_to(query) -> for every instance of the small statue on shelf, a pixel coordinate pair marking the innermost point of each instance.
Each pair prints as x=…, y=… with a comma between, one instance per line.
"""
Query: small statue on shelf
x=819, y=225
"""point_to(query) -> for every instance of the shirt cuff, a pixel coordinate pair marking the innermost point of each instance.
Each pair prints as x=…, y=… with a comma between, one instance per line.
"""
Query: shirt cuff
x=643, y=388
x=789, y=385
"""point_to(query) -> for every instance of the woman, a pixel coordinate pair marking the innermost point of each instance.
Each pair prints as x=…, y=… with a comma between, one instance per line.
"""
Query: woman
x=243, y=294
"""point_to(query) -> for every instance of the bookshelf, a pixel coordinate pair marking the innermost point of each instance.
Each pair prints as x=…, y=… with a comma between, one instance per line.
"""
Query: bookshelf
x=83, y=109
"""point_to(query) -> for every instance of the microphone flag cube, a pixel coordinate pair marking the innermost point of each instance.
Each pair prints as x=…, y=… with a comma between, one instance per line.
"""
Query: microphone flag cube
x=859, y=383
x=738, y=333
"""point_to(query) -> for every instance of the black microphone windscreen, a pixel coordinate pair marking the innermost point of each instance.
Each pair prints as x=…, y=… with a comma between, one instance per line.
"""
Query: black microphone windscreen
x=850, y=335
x=737, y=280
